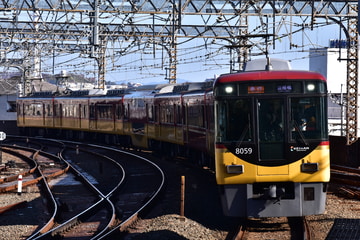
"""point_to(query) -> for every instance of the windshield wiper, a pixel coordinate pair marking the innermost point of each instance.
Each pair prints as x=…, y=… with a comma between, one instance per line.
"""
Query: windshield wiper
x=300, y=133
x=243, y=134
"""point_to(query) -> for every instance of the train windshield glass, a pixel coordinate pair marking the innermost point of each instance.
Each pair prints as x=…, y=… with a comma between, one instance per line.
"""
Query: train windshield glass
x=234, y=120
x=298, y=120
x=308, y=119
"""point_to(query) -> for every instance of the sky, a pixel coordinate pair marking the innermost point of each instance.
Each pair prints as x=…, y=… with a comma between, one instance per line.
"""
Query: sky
x=198, y=59
x=197, y=63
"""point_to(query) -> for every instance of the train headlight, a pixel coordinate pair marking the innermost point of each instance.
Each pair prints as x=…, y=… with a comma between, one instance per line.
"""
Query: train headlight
x=310, y=87
x=309, y=167
x=229, y=89
x=235, y=169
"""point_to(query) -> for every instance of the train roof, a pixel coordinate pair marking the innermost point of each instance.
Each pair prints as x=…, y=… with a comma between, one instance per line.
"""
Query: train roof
x=186, y=88
x=270, y=75
x=140, y=91
x=266, y=64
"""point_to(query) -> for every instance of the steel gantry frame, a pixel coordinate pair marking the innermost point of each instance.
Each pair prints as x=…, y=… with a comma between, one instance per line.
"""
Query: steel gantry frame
x=91, y=27
x=352, y=76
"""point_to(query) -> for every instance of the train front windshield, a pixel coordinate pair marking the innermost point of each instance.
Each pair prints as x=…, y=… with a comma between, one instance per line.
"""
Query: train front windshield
x=269, y=127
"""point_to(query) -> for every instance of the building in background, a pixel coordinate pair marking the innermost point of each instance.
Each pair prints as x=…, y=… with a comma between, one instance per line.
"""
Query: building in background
x=331, y=62
x=8, y=95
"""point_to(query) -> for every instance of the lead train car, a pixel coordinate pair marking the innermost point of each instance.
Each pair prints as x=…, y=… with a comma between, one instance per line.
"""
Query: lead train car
x=272, y=148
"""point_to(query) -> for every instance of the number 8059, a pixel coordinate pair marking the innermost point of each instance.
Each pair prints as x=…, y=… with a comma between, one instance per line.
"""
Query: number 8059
x=243, y=151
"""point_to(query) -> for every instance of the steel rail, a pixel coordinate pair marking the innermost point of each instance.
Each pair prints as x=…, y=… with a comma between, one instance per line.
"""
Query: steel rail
x=124, y=223
x=103, y=200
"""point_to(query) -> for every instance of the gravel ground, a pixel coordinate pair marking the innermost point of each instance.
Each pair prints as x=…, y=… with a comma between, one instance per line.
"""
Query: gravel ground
x=22, y=222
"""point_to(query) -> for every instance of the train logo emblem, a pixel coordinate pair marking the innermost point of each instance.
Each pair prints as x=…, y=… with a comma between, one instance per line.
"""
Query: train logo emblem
x=299, y=149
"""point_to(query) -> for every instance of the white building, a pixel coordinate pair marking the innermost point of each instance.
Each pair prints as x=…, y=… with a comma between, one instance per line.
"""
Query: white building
x=327, y=62
x=331, y=62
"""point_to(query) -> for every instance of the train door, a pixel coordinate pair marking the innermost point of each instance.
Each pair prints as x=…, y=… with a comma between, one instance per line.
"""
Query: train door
x=271, y=122
x=20, y=113
x=80, y=115
x=58, y=114
x=92, y=116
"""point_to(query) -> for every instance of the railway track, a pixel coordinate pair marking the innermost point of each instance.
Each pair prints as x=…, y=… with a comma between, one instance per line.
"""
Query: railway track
x=295, y=228
x=349, y=178
x=278, y=228
x=111, y=195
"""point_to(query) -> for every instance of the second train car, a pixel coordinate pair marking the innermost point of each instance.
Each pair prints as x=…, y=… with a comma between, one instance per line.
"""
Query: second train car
x=265, y=132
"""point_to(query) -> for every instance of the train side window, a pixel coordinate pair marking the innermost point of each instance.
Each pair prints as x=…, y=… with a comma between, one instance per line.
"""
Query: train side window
x=178, y=114
x=57, y=110
x=203, y=116
x=156, y=113
x=49, y=110
x=210, y=114
x=119, y=111
x=170, y=114
x=149, y=112
x=195, y=116
x=11, y=106
x=126, y=112
x=105, y=111
x=92, y=111
x=75, y=112
x=84, y=111
x=36, y=109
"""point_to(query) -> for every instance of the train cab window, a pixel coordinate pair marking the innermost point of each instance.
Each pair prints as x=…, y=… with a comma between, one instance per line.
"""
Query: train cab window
x=308, y=118
x=271, y=119
x=234, y=120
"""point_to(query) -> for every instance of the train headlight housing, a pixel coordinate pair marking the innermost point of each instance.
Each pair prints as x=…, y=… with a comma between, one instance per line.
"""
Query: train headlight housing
x=232, y=169
x=309, y=167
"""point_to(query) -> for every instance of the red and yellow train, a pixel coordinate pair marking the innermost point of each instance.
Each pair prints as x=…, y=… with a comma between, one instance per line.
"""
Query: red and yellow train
x=264, y=132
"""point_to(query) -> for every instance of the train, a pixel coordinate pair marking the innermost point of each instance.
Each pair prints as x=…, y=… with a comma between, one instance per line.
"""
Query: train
x=264, y=132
